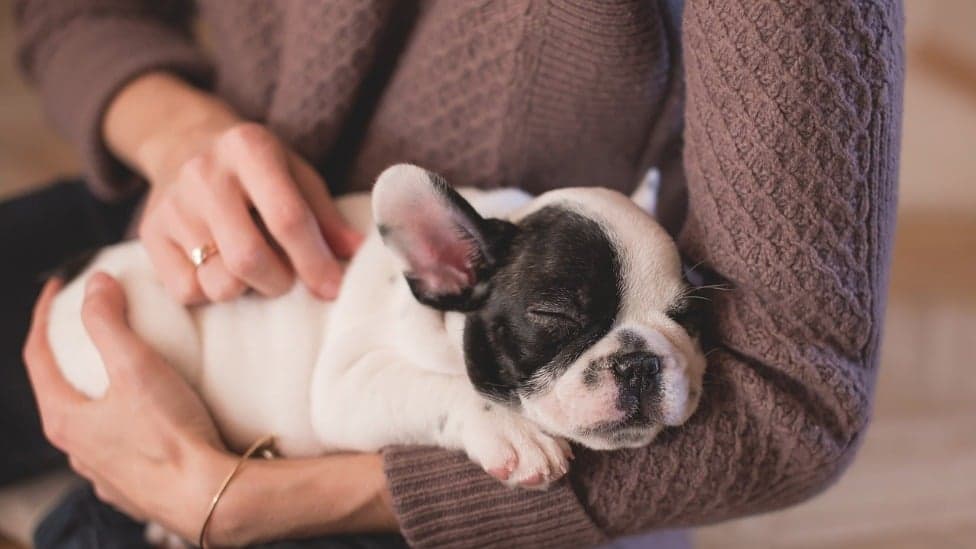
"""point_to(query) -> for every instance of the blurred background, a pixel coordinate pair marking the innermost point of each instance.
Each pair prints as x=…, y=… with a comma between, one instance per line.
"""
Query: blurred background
x=914, y=482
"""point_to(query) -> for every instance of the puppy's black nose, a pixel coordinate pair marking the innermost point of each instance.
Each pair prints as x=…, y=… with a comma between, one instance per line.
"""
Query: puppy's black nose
x=637, y=372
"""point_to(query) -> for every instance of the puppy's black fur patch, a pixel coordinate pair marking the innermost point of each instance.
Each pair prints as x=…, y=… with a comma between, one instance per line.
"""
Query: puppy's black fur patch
x=630, y=342
x=554, y=293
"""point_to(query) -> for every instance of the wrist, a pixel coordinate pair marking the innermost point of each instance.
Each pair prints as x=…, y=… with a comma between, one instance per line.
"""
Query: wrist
x=157, y=122
x=241, y=513
x=204, y=469
x=161, y=155
x=306, y=497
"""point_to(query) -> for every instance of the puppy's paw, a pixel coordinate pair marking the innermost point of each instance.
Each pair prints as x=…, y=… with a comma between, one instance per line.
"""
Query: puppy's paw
x=515, y=450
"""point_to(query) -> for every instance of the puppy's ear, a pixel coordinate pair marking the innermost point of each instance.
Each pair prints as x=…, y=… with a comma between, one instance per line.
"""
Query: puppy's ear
x=447, y=250
x=645, y=195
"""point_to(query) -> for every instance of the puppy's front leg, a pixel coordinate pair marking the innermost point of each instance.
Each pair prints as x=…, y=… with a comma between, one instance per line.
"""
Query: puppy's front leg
x=381, y=401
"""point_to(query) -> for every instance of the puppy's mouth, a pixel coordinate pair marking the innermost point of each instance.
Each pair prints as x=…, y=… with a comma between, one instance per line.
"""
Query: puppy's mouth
x=633, y=422
x=629, y=433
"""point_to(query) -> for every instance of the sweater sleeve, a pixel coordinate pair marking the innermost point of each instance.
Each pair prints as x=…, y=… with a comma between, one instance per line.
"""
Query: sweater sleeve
x=792, y=136
x=791, y=158
x=80, y=53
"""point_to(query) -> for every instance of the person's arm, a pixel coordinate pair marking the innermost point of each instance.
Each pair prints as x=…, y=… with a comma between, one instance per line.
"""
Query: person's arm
x=162, y=460
x=79, y=54
x=156, y=121
x=298, y=498
x=793, y=125
x=117, y=78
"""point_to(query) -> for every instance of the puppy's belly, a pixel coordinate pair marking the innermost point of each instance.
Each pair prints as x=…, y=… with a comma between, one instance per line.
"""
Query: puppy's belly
x=251, y=360
x=162, y=322
x=258, y=359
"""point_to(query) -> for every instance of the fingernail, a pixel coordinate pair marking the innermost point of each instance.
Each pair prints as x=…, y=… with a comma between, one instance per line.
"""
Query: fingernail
x=353, y=239
x=533, y=480
x=329, y=290
x=94, y=284
x=511, y=464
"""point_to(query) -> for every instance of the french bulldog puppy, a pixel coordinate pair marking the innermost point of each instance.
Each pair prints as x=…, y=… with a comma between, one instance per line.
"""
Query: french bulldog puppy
x=485, y=321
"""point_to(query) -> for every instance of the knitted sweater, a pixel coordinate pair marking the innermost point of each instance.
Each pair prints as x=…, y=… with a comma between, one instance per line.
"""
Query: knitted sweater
x=776, y=125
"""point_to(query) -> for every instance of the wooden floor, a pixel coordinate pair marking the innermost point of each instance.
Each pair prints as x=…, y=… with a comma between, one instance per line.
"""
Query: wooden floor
x=914, y=482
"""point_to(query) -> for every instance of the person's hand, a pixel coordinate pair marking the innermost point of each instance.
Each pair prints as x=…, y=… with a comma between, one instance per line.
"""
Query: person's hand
x=209, y=201
x=149, y=445
x=213, y=177
x=150, y=448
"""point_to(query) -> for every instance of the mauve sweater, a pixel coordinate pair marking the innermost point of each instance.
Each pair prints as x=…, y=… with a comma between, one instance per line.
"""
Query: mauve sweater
x=776, y=125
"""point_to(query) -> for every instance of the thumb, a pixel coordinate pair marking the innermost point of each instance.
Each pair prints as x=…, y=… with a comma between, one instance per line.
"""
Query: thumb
x=342, y=237
x=104, y=315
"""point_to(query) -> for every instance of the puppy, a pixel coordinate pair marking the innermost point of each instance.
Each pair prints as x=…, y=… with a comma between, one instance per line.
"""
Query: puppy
x=484, y=321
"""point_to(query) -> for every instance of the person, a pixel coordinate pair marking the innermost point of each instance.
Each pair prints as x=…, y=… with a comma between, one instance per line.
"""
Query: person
x=775, y=127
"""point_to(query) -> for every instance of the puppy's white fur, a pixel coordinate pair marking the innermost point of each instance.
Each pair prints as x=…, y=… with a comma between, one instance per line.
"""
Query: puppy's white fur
x=371, y=369
x=375, y=367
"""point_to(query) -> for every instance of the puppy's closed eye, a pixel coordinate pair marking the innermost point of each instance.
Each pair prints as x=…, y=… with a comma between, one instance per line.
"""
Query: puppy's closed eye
x=552, y=317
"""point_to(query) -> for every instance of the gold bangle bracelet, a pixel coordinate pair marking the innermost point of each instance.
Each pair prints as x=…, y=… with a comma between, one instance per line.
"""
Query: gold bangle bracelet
x=265, y=444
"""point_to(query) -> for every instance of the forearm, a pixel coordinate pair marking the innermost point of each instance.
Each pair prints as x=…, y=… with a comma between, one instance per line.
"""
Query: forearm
x=80, y=54
x=791, y=164
x=158, y=120
x=791, y=168
x=295, y=498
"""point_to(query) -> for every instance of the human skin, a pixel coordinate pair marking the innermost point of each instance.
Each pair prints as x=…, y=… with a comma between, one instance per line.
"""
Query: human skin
x=209, y=173
x=163, y=460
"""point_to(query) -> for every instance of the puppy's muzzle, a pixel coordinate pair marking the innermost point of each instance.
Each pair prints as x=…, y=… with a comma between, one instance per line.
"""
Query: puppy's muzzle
x=639, y=376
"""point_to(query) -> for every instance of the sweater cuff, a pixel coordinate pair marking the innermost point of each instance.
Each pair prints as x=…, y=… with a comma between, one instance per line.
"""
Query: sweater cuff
x=442, y=499
x=88, y=63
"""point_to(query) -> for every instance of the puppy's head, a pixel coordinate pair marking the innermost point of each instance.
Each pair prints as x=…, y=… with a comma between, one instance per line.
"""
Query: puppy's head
x=575, y=307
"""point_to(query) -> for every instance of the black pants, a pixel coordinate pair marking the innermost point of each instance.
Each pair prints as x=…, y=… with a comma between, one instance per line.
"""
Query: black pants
x=39, y=232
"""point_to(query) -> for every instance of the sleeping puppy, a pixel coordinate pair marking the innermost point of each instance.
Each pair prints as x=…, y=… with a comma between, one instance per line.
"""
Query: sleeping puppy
x=485, y=321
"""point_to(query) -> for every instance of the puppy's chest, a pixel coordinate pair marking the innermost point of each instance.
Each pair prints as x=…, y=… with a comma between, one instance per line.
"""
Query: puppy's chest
x=376, y=310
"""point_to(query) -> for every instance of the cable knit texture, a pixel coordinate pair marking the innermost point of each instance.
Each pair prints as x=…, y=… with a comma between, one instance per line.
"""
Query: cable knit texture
x=789, y=116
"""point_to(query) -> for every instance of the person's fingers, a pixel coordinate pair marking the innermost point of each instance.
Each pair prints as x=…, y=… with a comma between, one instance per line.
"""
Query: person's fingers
x=57, y=400
x=78, y=467
x=109, y=495
x=189, y=231
x=342, y=238
x=103, y=313
x=103, y=494
x=243, y=250
x=262, y=168
x=175, y=270
x=213, y=278
x=217, y=282
x=171, y=264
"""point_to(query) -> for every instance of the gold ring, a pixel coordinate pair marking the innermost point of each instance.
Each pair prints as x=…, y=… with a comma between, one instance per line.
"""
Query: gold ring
x=201, y=254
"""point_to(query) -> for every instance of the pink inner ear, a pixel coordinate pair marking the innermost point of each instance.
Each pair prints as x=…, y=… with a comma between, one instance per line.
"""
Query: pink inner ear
x=437, y=251
x=429, y=227
x=442, y=267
